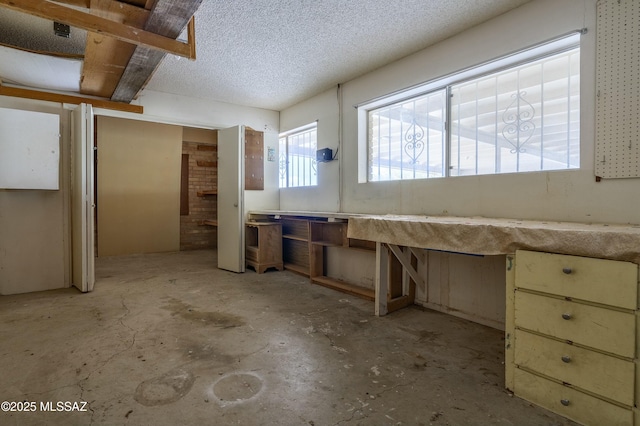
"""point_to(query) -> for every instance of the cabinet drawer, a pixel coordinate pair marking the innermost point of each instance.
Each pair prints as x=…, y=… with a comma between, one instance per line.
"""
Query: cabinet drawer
x=580, y=407
x=608, y=282
x=604, y=329
x=601, y=374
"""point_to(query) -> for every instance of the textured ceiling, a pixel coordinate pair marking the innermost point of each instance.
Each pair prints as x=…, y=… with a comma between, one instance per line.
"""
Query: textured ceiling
x=274, y=53
x=30, y=32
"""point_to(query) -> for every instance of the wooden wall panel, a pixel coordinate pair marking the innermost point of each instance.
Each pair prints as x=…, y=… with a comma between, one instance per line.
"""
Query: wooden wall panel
x=470, y=287
x=138, y=186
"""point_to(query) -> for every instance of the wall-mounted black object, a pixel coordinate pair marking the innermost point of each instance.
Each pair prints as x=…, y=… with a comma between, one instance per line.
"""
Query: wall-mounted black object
x=62, y=30
x=323, y=155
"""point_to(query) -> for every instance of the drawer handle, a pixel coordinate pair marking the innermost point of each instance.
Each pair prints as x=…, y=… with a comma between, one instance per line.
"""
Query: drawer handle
x=567, y=270
x=565, y=402
x=566, y=359
x=566, y=316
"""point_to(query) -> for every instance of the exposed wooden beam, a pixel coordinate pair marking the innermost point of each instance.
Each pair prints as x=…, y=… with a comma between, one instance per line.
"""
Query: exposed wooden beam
x=106, y=57
x=168, y=18
x=76, y=18
x=17, y=92
x=139, y=3
x=82, y=3
x=191, y=36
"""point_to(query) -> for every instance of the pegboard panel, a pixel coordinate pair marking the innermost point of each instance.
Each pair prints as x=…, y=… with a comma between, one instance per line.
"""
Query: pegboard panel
x=253, y=159
x=618, y=89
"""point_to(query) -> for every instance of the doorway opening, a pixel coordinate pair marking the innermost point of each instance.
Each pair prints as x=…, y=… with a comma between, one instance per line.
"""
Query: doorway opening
x=155, y=187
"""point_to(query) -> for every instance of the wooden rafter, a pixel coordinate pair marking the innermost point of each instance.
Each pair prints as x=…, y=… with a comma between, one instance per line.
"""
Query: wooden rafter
x=168, y=18
x=76, y=18
x=17, y=92
x=82, y=3
x=106, y=57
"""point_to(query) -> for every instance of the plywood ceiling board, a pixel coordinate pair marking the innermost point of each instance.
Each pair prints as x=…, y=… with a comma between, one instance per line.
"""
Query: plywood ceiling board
x=106, y=57
x=168, y=18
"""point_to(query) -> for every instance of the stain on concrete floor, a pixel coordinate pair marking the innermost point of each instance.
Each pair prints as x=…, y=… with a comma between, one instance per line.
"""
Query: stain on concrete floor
x=164, y=389
x=190, y=313
x=169, y=339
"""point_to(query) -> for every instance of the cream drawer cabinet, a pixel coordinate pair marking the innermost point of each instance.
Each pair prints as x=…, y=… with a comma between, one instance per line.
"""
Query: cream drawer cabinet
x=572, y=336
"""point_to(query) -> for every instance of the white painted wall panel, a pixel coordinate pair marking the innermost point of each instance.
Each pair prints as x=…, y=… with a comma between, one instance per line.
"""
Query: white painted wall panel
x=29, y=149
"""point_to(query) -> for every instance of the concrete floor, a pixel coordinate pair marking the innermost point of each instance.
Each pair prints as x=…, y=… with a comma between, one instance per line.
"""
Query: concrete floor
x=168, y=339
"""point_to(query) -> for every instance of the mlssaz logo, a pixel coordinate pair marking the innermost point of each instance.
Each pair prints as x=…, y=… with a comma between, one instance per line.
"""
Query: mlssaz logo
x=63, y=406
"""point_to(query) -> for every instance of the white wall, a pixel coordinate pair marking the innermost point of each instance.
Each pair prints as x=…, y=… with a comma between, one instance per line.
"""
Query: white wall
x=325, y=197
x=193, y=112
x=557, y=195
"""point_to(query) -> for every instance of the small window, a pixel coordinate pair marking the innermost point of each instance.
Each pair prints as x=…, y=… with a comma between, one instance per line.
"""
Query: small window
x=518, y=114
x=298, y=165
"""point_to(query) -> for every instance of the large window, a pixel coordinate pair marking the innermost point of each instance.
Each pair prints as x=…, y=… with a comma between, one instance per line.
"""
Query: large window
x=298, y=165
x=500, y=118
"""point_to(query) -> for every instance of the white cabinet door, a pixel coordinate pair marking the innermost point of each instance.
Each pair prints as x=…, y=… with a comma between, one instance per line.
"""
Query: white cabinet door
x=231, y=199
x=82, y=198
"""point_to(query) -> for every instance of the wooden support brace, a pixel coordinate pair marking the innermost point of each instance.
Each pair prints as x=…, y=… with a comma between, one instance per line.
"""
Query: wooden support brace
x=418, y=253
x=405, y=260
x=191, y=37
x=382, y=279
x=87, y=21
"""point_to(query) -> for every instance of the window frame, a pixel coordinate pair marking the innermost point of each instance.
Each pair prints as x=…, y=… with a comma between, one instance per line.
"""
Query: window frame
x=557, y=45
x=287, y=134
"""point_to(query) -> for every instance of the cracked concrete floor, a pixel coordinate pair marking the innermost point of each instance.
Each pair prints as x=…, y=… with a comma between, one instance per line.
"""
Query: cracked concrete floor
x=168, y=339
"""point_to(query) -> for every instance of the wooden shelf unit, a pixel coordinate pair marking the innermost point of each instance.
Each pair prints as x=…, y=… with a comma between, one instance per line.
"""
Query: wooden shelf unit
x=345, y=287
x=331, y=234
x=304, y=244
x=295, y=244
x=263, y=245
